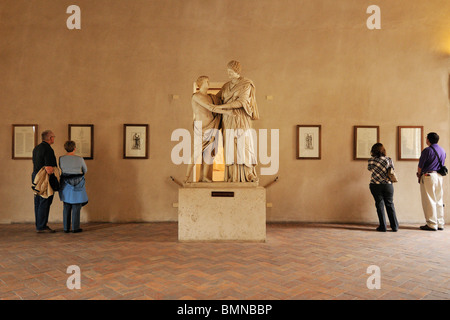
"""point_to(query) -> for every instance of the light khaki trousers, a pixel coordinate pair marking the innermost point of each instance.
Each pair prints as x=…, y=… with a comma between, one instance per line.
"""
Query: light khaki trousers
x=432, y=194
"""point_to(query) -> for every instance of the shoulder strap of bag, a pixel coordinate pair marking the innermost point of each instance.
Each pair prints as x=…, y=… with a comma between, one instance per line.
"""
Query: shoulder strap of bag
x=390, y=163
x=437, y=156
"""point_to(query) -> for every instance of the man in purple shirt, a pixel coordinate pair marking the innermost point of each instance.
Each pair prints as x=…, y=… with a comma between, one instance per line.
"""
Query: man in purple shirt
x=431, y=184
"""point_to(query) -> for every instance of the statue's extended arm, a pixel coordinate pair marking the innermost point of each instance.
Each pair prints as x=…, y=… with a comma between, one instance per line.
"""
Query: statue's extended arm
x=222, y=111
x=211, y=107
x=244, y=96
x=232, y=105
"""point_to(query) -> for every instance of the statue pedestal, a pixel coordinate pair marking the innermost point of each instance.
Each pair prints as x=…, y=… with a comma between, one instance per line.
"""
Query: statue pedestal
x=222, y=211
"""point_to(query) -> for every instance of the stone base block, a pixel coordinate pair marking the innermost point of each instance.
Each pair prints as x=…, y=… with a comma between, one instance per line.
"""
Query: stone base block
x=222, y=212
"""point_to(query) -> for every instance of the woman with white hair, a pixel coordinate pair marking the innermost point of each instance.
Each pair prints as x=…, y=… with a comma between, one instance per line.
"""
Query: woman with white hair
x=73, y=189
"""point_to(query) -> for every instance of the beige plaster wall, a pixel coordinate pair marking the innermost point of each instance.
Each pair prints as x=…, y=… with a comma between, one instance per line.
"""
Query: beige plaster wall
x=316, y=58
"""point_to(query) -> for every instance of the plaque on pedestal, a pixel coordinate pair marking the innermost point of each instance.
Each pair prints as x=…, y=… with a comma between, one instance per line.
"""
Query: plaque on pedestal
x=222, y=211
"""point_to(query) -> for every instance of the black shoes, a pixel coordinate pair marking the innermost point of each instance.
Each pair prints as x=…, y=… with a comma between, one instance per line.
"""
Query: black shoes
x=46, y=230
x=427, y=228
x=73, y=231
x=381, y=229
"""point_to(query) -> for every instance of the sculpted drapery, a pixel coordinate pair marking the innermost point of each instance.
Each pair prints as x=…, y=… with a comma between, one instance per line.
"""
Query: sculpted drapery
x=240, y=156
x=238, y=107
x=206, y=126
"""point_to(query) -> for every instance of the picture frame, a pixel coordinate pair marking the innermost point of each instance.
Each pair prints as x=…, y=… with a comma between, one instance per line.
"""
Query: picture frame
x=409, y=143
x=309, y=142
x=83, y=135
x=364, y=137
x=135, y=141
x=24, y=140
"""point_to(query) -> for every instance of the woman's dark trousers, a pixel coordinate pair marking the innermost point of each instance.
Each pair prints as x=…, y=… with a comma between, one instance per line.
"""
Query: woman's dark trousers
x=384, y=197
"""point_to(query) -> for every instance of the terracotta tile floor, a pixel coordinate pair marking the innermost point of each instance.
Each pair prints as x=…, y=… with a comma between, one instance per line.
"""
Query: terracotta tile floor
x=298, y=261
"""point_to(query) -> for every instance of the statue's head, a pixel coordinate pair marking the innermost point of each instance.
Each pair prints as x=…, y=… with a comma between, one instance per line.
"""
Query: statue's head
x=200, y=80
x=235, y=66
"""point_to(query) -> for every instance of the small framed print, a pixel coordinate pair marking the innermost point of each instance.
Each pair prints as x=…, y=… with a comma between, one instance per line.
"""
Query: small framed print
x=410, y=142
x=83, y=135
x=24, y=139
x=364, y=138
x=135, y=141
x=309, y=142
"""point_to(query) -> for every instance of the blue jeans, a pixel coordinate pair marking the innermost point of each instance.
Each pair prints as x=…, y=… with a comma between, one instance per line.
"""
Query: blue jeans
x=71, y=212
x=383, y=195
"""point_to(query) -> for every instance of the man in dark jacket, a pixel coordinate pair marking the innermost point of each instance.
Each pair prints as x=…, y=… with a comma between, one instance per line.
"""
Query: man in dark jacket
x=43, y=156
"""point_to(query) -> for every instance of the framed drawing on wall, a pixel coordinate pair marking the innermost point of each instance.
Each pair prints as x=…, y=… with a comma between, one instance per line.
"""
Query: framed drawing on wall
x=410, y=142
x=364, y=138
x=24, y=139
x=135, y=141
x=309, y=142
x=83, y=135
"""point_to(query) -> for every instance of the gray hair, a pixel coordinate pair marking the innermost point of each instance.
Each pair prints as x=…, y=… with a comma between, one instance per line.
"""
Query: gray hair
x=46, y=135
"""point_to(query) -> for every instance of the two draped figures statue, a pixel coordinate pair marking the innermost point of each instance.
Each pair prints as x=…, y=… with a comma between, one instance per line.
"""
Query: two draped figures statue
x=230, y=112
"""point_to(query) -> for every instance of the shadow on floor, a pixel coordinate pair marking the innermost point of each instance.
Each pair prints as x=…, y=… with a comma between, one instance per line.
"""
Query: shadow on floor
x=346, y=226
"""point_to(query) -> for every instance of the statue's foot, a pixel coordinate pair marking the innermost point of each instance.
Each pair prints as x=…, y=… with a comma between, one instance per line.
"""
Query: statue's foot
x=206, y=180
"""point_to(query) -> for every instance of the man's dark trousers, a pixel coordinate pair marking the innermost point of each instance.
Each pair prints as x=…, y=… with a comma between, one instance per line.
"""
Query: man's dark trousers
x=41, y=211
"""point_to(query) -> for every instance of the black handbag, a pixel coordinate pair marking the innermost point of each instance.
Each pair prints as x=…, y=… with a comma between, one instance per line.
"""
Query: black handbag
x=443, y=171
